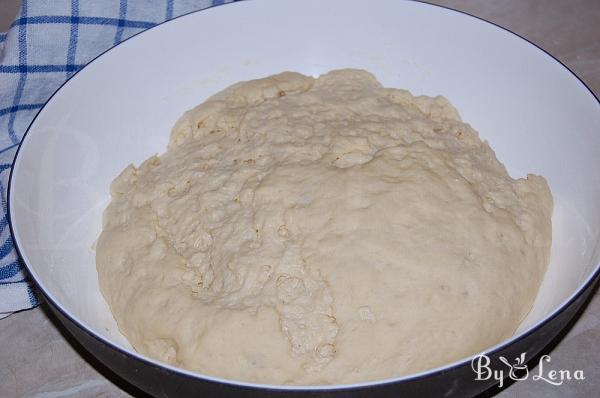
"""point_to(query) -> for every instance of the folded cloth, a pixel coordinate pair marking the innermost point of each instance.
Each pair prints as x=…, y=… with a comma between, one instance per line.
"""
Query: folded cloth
x=46, y=44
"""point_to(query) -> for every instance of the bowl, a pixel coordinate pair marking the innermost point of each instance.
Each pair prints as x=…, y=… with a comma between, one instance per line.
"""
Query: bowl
x=536, y=114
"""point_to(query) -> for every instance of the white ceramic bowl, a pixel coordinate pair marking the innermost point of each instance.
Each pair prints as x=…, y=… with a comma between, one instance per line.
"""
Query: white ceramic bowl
x=536, y=115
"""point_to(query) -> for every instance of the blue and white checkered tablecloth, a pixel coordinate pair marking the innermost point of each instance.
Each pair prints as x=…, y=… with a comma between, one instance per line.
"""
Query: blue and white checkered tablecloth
x=46, y=44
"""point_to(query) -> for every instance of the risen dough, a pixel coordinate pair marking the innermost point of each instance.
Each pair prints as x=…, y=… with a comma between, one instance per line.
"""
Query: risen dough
x=316, y=231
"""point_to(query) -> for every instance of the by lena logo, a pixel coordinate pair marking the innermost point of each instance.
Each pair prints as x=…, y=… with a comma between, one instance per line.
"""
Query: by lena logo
x=519, y=370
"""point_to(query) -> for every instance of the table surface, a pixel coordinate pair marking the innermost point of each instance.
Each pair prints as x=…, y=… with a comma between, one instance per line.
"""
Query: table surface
x=40, y=359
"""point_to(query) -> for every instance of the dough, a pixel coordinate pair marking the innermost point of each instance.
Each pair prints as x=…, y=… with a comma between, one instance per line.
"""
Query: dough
x=321, y=231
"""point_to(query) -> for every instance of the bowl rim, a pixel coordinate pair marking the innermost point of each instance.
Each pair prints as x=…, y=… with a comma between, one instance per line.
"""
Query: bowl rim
x=583, y=287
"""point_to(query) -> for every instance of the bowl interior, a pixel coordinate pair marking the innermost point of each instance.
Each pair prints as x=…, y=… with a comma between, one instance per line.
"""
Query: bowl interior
x=537, y=116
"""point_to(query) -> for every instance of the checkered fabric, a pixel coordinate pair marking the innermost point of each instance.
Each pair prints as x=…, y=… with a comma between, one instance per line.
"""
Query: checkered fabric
x=47, y=43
